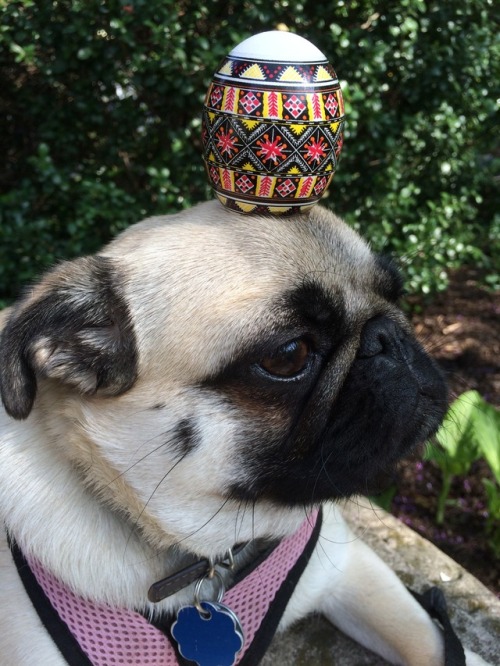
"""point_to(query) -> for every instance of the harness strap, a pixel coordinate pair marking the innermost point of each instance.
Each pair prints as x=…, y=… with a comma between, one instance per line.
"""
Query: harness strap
x=88, y=634
x=434, y=602
x=67, y=644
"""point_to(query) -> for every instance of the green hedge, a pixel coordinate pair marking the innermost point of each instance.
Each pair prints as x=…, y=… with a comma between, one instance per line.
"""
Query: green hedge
x=102, y=101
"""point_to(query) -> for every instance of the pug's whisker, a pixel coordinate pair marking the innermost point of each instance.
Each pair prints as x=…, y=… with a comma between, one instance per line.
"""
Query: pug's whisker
x=250, y=505
x=356, y=500
x=429, y=344
x=432, y=347
x=239, y=511
x=324, y=471
x=322, y=539
x=327, y=271
x=207, y=522
x=240, y=516
x=134, y=526
x=253, y=519
x=136, y=462
x=148, y=441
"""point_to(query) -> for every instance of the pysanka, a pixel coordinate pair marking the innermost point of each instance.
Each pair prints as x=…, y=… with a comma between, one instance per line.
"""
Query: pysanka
x=272, y=125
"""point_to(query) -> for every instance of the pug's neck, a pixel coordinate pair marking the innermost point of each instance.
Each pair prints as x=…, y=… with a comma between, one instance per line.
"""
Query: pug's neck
x=85, y=543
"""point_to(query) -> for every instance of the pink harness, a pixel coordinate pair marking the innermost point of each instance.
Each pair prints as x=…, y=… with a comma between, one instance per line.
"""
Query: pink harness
x=118, y=636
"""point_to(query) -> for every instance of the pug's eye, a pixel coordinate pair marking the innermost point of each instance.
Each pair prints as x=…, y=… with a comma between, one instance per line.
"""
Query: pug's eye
x=288, y=360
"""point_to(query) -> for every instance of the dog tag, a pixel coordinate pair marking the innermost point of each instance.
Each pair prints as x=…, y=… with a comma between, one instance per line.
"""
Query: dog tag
x=213, y=639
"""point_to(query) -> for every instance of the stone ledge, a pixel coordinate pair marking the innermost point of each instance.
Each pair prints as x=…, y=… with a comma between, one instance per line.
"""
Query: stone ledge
x=473, y=609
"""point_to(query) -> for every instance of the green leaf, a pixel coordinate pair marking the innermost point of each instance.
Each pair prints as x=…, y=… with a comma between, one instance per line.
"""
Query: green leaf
x=384, y=498
x=456, y=433
x=486, y=432
x=493, y=495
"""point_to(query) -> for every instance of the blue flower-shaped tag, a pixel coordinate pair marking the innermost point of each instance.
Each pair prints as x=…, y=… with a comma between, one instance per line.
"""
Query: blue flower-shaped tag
x=213, y=639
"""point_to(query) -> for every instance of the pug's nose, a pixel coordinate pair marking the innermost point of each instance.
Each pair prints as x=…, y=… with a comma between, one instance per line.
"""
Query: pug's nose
x=380, y=335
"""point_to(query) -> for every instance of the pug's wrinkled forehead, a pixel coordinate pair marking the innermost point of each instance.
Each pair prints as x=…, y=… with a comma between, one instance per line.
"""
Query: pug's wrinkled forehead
x=206, y=283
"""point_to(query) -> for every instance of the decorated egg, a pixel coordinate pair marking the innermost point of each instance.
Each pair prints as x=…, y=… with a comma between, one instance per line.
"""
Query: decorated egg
x=272, y=125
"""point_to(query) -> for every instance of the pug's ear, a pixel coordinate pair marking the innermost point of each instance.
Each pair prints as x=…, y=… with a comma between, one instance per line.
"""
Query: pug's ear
x=73, y=327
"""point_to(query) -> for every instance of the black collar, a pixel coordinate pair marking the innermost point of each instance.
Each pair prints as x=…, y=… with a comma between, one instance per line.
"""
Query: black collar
x=194, y=571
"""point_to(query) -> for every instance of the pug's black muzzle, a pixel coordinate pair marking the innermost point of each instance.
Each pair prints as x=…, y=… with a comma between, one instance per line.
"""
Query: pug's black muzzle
x=393, y=398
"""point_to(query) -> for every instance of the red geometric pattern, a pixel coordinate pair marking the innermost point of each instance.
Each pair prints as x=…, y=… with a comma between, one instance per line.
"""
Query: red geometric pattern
x=272, y=133
x=316, y=151
x=244, y=183
x=316, y=106
x=273, y=107
x=331, y=104
x=214, y=175
x=265, y=186
x=216, y=95
x=226, y=179
x=305, y=105
x=306, y=186
x=229, y=101
x=227, y=142
x=250, y=186
x=286, y=188
x=271, y=149
x=321, y=185
x=295, y=106
x=338, y=145
x=250, y=102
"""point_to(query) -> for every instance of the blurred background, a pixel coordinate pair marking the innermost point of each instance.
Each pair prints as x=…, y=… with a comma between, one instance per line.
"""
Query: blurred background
x=100, y=106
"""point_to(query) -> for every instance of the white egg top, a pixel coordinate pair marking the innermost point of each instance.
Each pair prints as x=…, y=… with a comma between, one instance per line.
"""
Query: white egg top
x=278, y=45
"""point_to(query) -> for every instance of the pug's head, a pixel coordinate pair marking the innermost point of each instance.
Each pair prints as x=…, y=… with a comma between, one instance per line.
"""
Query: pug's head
x=212, y=359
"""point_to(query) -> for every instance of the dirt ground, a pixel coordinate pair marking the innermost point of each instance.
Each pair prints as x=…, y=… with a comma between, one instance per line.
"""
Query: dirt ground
x=461, y=330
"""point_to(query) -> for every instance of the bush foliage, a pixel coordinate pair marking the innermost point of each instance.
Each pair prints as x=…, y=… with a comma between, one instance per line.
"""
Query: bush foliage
x=102, y=101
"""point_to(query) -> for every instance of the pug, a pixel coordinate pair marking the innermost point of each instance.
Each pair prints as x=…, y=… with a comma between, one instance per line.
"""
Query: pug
x=185, y=410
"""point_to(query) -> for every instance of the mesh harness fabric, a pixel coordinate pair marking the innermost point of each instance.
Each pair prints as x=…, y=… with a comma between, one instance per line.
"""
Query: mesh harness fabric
x=89, y=634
